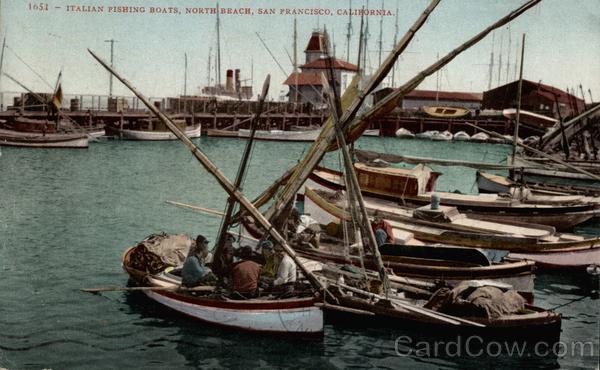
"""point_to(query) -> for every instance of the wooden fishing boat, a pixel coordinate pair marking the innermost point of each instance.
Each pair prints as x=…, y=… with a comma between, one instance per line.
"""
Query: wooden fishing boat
x=529, y=327
x=389, y=183
x=488, y=183
x=446, y=112
x=435, y=264
x=530, y=118
x=152, y=132
x=564, y=259
x=549, y=170
x=36, y=133
x=297, y=316
x=531, y=324
x=39, y=140
x=462, y=231
x=281, y=135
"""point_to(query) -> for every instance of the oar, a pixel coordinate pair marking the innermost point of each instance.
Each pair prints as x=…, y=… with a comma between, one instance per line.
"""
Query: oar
x=212, y=212
x=202, y=288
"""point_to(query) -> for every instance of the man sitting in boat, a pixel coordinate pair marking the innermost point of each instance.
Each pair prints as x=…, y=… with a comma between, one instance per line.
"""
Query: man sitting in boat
x=268, y=260
x=194, y=271
x=286, y=273
x=223, y=259
x=244, y=275
x=382, y=229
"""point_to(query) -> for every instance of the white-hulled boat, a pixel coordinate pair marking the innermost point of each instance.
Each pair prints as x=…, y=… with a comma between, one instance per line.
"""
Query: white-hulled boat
x=294, y=316
x=281, y=135
x=404, y=133
x=427, y=134
x=442, y=136
x=462, y=136
x=530, y=118
x=157, y=135
x=39, y=140
x=480, y=136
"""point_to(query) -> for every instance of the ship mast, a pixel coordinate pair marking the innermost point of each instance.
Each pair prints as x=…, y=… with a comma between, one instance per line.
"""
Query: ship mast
x=349, y=32
x=218, y=74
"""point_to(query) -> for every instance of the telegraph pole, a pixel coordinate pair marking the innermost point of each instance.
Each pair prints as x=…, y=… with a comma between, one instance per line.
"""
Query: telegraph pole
x=110, y=81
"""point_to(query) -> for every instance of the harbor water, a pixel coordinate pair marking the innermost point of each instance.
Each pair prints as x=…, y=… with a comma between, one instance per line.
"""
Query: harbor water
x=66, y=216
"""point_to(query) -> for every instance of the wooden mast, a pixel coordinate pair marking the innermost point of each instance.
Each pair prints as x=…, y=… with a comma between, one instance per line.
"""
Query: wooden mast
x=218, y=61
x=516, y=136
x=357, y=205
x=218, y=175
x=231, y=201
x=1, y=64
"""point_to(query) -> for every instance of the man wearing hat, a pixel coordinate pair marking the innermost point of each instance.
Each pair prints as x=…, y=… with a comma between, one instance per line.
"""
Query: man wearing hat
x=194, y=272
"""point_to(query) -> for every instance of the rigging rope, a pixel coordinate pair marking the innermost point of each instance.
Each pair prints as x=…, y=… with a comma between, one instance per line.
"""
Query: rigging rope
x=30, y=68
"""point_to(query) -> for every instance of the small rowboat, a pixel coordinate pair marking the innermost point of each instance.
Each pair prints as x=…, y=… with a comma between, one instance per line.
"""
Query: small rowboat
x=297, y=316
x=462, y=136
x=155, y=134
x=446, y=112
x=442, y=136
x=404, y=133
x=281, y=135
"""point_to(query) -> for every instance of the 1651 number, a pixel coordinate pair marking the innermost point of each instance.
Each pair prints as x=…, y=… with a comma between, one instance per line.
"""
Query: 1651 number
x=43, y=7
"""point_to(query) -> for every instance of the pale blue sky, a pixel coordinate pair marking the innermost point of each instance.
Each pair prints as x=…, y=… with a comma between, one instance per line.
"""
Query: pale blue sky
x=562, y=46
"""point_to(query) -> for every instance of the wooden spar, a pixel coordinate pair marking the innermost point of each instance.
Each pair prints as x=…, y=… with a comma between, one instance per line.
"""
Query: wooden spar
x=565, y=142
x=212, y=212
x=203, y=288
x=327, y=135
x=516, y=136
x=539, y=152
x=241, y=171
x=218, y=175
x=391, y=100
x=365, y=155
x=35, y=95
x=553, y=137
x=353, y=187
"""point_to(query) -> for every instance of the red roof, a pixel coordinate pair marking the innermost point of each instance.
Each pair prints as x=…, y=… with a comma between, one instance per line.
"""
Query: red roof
x=548, y=92
x=304, y=78
x=445, y=95
x=316, y=42
x=337, y=64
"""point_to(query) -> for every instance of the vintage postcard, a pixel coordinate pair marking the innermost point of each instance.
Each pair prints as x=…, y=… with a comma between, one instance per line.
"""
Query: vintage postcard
x=299, y=184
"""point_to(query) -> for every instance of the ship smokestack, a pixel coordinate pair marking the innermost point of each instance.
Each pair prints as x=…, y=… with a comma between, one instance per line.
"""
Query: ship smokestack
x=237, y=80
x=229, y=83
